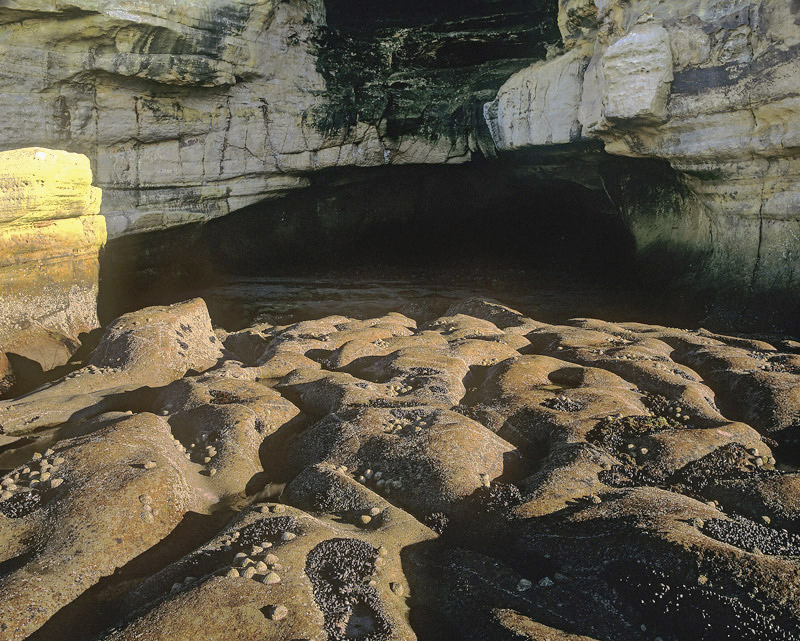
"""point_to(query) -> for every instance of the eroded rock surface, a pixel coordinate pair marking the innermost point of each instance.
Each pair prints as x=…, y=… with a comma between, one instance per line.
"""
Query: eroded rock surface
x=50, y=238
x=190, y=111
x=708, y=87
x=481, y=476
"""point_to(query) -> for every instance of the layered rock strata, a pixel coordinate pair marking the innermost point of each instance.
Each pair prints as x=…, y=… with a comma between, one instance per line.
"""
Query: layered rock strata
x=708, y=87
x=50, y=237
x=482, y=476
x=187, y=111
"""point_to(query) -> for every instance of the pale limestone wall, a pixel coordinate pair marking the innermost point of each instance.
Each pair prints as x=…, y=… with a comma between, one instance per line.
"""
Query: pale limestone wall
x=50, y=237
x=187, y=110
x=710, y=86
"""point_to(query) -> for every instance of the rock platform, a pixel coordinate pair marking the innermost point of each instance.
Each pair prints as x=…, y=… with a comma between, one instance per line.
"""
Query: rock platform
x=481, y=476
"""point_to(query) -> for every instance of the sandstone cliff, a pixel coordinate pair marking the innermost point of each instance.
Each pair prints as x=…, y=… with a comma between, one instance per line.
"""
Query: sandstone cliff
x=187, y=110
x=709, y=87
x=190, y=111
x=50, y=236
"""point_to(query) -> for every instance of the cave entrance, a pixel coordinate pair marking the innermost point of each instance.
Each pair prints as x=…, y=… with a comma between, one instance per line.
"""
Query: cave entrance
x=412, y=239
x=399, y=221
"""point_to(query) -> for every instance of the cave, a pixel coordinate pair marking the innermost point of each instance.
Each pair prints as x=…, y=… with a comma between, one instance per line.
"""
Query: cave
x=477, y=229
x=421, y=320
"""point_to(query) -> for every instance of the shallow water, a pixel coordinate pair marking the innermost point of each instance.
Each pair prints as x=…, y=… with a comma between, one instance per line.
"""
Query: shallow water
x=238, y=301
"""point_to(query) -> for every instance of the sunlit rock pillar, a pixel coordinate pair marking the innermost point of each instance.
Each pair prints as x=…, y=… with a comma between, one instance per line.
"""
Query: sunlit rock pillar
x=50, y=237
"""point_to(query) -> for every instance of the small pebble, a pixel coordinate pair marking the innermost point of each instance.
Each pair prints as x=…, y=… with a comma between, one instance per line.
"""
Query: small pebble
x=271, y=578
x=212, y=471
x=288, y=536
x=6, y=495
x=397, y=588
x=766, y=519
x=546, y=582
x=45, y=476
x=150, y=465
x=261, y=567
x=643, y=450
x=277, y=612
x=702, y=579
x=56, y=482
x=271, y=559
x=49, y=451
x=524, y=584
x=256, y=549
x=365, y=518
x=375, y=511
x=233, y=572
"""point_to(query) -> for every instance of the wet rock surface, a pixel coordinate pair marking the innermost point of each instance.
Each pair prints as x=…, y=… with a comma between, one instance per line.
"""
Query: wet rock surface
x=482, y=475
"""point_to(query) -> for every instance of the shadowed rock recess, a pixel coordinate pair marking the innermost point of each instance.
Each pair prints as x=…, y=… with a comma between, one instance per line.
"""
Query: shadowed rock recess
x=481, y=476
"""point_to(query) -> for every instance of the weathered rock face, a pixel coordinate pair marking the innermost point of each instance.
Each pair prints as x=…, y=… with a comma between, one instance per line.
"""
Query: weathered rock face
x=50, y=236
x=482, y=476
x=192, y=111
x=709, y=87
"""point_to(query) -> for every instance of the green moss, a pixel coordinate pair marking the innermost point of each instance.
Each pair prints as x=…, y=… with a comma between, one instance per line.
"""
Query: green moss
x=429, y=81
